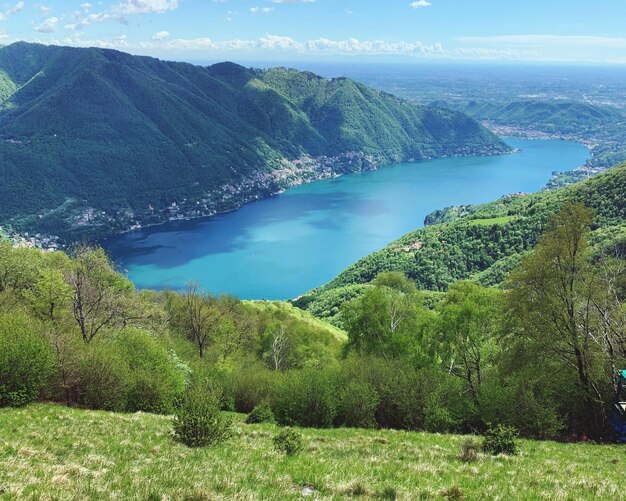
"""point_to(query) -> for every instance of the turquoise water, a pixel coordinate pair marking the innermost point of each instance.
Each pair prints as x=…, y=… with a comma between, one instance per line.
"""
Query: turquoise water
x=285, y=245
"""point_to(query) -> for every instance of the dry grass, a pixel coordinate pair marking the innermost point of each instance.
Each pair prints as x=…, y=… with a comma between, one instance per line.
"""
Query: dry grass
x=52, y=452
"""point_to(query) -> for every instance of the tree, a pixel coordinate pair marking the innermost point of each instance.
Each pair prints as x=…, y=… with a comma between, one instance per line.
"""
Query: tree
x=99, y=294
x=50, y=295
x=468, y=322
x=280, y=342
x=559, y=298
x=205, y=315
x=385, y=320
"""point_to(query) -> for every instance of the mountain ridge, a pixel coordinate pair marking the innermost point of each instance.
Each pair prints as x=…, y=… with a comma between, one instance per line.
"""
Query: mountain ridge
x=97, y=141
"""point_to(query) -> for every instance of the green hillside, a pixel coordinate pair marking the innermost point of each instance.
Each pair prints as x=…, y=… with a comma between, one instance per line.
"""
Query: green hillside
x=602, y=126
x=95, y=141
x=49, y=451
x=549, y=116
x=482, y=242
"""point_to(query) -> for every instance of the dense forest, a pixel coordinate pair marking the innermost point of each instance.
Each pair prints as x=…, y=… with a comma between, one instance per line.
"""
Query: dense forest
x=482, y=243
x=94, y=141
x=539, y=355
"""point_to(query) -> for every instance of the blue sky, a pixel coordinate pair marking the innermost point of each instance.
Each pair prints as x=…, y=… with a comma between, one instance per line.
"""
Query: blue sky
x=572, y=31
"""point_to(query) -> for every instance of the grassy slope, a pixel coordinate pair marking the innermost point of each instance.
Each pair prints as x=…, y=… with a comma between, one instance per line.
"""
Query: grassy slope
x=284, y=310
x=52, y=452
x=481, y=242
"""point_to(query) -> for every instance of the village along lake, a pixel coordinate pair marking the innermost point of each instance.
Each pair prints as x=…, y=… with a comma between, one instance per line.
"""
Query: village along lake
x=285, y=245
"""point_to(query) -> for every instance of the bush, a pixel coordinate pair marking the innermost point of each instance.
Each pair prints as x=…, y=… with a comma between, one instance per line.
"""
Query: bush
x=289, y=442
x=104, y=378
x=500, y=440
x=357, y=405
x=252, y=385
x=198, y=420
x=157, y=377
x=306, y=398
x=262, y=413
x=469, y=451
x=26, y=360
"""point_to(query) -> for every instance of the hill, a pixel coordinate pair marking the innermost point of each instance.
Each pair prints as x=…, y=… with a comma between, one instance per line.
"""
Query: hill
x=482, y=242
x=602, y=127
x=564, y=117
x=49, y=451
x=94, y=141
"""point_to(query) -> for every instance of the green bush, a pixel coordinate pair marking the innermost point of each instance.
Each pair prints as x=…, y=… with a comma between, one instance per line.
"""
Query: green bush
x=306, y=398
x=289, y=441
x=157, y=377
x=26, y=360
x=262, y=413
x=500, y=439
x=251, y=385
x=198, y=420
x=104, y=378
x=357, y=405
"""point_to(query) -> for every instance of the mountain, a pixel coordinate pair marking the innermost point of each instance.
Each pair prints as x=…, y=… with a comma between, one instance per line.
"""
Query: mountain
x=601, y=126
x=482, y=242
x=94, y=141
x=548, y=116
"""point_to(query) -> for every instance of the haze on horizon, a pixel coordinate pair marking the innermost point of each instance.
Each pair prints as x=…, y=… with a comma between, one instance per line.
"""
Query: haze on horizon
x=574, y=31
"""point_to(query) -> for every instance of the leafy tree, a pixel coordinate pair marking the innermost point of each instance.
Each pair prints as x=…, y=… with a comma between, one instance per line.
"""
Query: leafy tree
x=469, y=319
x=385, y=321
x=554, y=295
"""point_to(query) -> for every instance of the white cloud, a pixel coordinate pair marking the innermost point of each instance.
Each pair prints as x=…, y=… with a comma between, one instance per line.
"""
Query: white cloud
x=550, y=40
x=118, y=11
x=161, y=35
x=264, y=10
x=48, y=25
x=419, y=4
x=11, y=10
x=145, y=6
x=85, y=6
x=293, y=1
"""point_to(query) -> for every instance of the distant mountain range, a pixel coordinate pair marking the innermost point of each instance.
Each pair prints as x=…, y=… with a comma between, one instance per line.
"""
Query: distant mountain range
x=602, y=127
x=96, y=141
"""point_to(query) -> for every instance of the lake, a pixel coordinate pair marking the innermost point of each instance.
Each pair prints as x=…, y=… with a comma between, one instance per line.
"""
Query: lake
x=285, y=245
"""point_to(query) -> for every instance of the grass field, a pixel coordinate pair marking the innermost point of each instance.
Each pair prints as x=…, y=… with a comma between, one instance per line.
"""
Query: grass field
x=53, y=452
x=492, y=221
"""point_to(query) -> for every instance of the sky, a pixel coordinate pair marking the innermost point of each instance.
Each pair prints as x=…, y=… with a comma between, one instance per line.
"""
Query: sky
x=547, y=31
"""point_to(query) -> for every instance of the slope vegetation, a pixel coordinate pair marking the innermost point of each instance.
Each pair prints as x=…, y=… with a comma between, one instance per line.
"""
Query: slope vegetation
x=482, y=242
x=49, y=451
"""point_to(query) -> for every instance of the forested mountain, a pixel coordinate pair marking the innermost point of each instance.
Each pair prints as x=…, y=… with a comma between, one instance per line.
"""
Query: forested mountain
x=483, y=242
x=96, y=138
x=602, y=127
x=548, y=116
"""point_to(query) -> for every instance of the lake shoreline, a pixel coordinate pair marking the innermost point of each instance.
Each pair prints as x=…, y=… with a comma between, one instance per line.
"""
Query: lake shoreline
x=296, y=240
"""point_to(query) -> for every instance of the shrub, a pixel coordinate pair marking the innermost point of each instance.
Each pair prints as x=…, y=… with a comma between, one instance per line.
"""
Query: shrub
x=357, y=405
x=289, y=442
x=26, y=360
x=252, y=385
x=262, y=413
x=469, y=451
x=500, y=440
x=198, y=420
x=157, y=378
x=104, y=378
x=306, y=398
